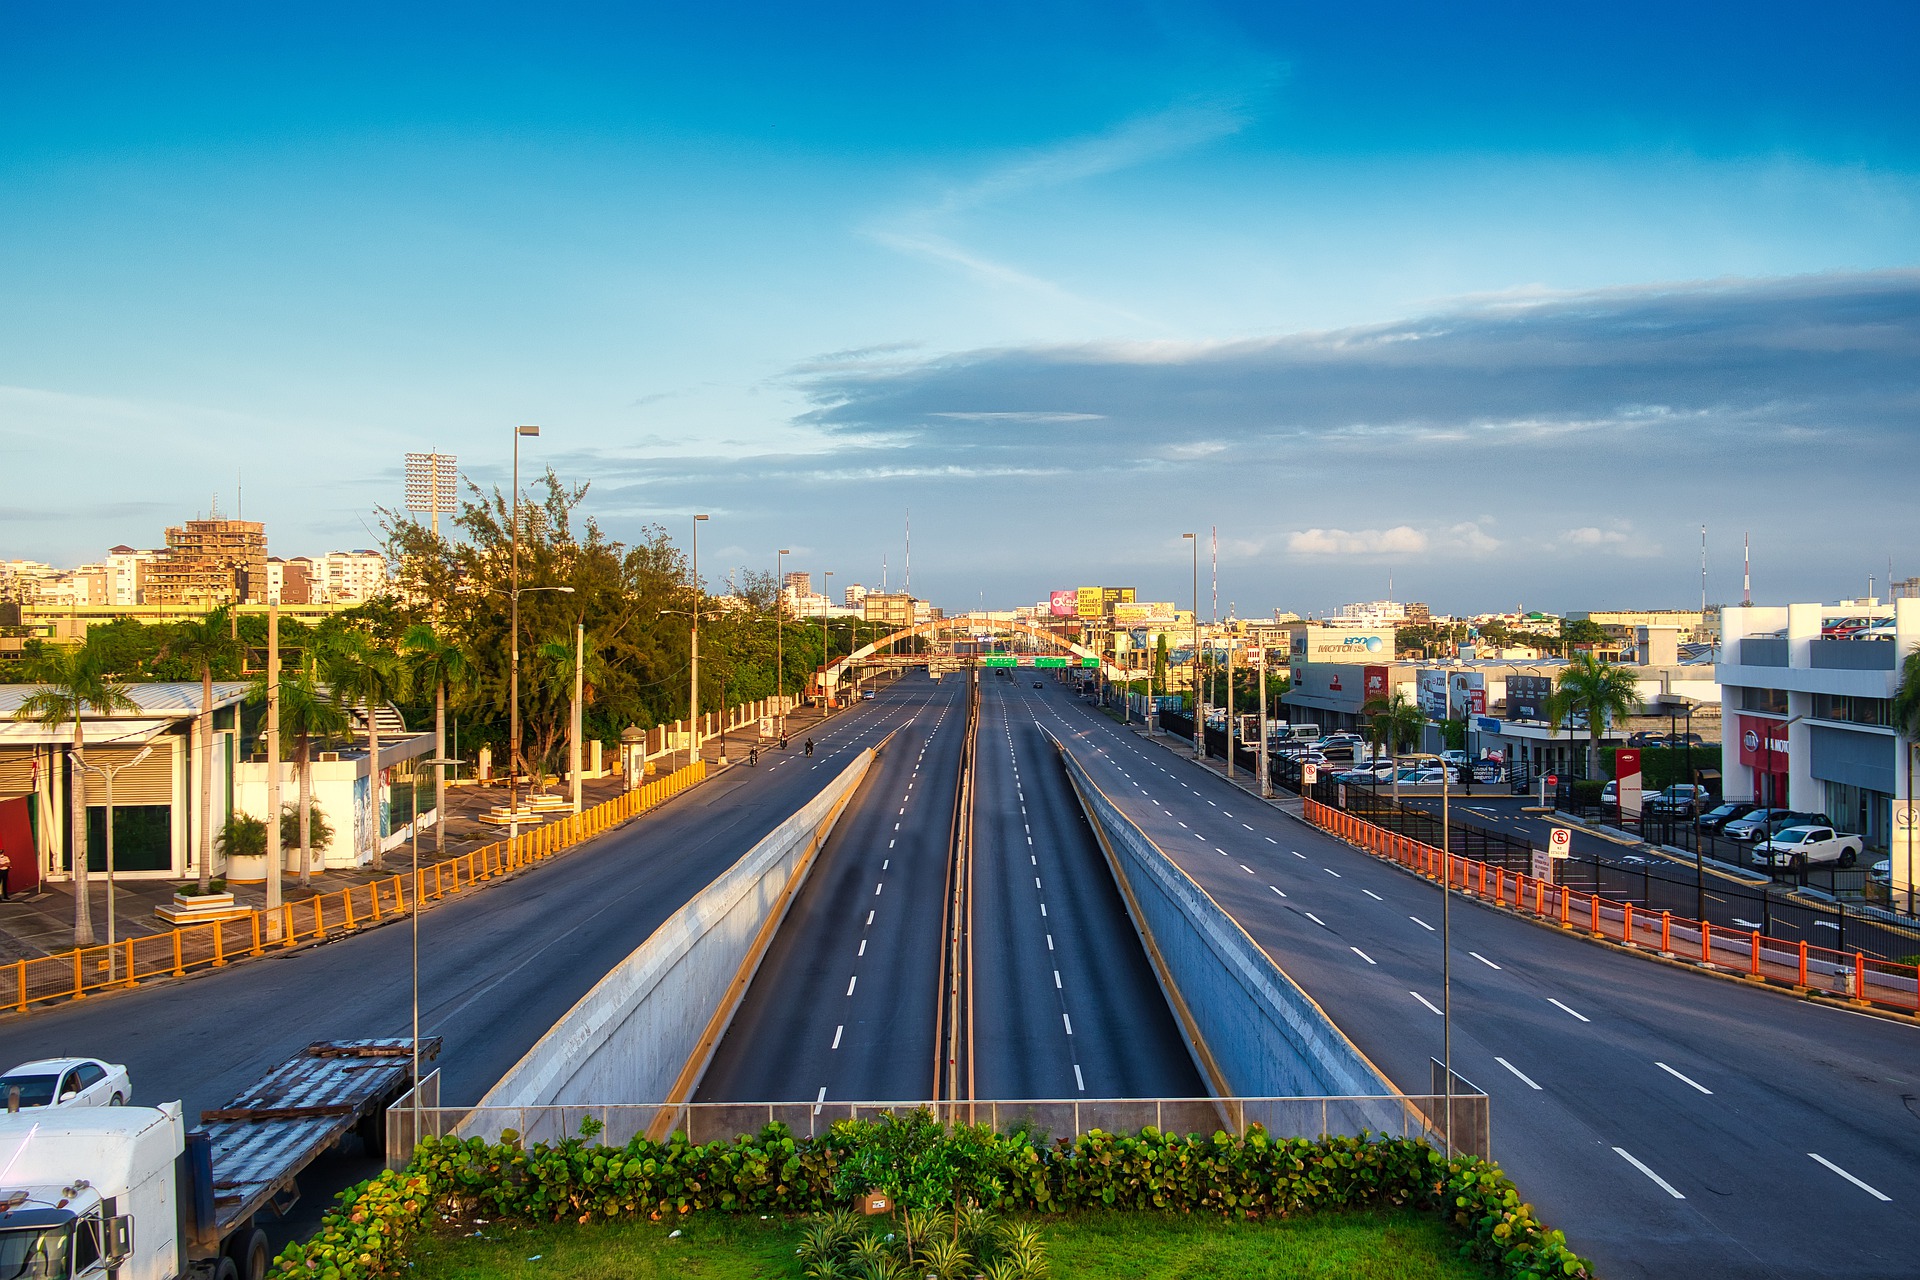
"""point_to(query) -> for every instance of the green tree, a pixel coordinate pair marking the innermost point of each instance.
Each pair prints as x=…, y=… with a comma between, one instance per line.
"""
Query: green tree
x=1395, y=723
x=204, y=644
x=1599, y=691
x=307, y=716
x=365, y=673
x=73, y=680
x=442, y=664
x=555, y=659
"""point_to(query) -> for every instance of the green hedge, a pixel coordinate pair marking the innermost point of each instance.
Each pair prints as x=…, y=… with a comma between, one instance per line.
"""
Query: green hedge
x=922, y=1164
x=1662, y=767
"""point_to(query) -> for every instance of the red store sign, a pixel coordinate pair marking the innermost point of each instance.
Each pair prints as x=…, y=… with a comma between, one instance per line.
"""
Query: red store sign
x=1757, y=736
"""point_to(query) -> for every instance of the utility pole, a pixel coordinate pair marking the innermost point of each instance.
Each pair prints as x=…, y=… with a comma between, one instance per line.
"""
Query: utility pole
x=1199, y=712
x=579, y=690
x=693, y=664
x=1262, y=767
x=780, y=634
x=273, y=766
x=513, y=661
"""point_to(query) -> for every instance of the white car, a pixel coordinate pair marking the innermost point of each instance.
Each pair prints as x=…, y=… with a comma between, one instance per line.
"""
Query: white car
x=1428, y=775
x=67, y=1082
x=1813, y=844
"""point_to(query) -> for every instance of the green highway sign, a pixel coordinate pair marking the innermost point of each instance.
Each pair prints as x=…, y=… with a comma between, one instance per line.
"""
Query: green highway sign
x=1049, y=662
x=1089, y=662
x=994, y=660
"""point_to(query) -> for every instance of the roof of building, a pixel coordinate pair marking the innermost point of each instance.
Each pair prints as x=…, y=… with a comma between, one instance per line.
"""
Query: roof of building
x=170, y=699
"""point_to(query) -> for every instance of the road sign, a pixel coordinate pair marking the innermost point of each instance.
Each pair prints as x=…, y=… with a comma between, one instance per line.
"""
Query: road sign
x=1049, y=662
x=1553, y=779
x=1560, y=843
x=1542, y=865
x=1309, y=774
x=1089, y=662
x=997, y=661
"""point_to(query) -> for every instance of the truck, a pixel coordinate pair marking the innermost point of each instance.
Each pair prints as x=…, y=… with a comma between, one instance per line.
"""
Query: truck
x=129, y=1193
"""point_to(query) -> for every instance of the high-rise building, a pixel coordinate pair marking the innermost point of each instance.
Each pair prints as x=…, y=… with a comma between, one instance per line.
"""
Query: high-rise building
x=348, y=577
x=209, y=563
x=891, y=609
x=799, y=584
x=854, y=595
x=128, y=572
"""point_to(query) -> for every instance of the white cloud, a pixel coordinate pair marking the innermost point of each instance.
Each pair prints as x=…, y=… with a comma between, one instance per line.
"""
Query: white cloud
x=1589, y=536
x=1399, y=540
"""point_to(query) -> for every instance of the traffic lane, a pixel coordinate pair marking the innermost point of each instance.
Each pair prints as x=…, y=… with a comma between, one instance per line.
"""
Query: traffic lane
x=1065, y=1003
x=1702, y=1241
x=843, y=1003
x=499, y=964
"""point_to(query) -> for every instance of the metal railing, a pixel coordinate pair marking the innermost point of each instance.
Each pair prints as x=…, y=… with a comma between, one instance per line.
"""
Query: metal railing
x=1416, y=1116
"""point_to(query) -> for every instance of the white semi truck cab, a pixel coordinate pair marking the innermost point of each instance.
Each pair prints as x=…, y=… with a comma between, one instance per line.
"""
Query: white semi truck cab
x=90, y=1192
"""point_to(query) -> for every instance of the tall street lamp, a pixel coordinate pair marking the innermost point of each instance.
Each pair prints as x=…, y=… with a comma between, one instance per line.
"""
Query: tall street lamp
x=513, y=650
x=1199, y=712
x=693, y=665
x=780, y=633
x=826, y=600
x=109, y=773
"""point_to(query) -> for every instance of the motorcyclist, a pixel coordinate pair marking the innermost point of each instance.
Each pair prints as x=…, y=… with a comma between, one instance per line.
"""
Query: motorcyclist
x=809, y=746
x=753, y=755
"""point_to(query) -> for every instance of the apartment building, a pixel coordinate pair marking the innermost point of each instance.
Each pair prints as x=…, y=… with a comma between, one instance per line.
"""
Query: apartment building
x=209, y=563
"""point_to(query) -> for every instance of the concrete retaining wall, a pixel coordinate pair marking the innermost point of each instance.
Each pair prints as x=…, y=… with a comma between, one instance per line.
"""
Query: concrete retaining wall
x=633, y=1036
x=1256, y=1033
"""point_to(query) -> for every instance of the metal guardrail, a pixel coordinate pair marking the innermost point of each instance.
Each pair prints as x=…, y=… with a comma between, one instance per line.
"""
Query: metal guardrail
x=1417, y=1116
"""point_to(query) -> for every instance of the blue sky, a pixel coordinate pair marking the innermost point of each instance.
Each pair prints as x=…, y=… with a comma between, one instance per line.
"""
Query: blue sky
x=1504, y=302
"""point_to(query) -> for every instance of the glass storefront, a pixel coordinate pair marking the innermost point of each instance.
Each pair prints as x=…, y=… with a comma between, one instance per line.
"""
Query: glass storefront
x=1859, y=811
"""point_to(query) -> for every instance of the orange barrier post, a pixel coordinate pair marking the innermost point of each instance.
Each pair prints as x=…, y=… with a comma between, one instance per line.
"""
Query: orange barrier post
x=253, y=919
x=129, y=946
x=286, y=923
x=179, y=969
x=79, y=976
x=1666, y=936
x=373, y=895
x=1803, y=964
x=1859, y=977
x=1626, y=925
x=219, y=946
x=1706, y=943
x=1753, y=943
x=20, y=985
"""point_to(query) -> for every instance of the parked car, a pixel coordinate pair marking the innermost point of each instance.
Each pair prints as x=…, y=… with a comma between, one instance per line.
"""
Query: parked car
x=1882, y=873
x=1836, y=628
x=1646, y=738
x=1762, y=823
x=1610, y=794
x=1380, y=772
x=1678, y=799
x=1713, y=819
x=68, y=1082
x=1454, y=758
x=1881, y=630
x=1809, y=846
x=1425, y=775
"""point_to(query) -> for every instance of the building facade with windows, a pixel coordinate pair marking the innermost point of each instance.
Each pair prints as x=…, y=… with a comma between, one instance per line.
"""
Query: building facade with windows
x=1807, y=704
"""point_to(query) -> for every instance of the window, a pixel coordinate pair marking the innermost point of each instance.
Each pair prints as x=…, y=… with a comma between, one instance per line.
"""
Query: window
x=1770, y=701
x=90, y=1075
x=1838, y=706
x=86, y=1244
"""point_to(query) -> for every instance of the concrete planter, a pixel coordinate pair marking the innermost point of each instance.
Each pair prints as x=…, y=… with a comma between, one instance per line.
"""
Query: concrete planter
x=200, y=909
x=247, y=868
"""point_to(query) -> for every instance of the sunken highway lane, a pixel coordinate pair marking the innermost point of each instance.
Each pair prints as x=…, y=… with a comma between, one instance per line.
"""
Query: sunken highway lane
x=1670, y=1122
x=843, y=1004
x=1065, y=1003
x=498, y=966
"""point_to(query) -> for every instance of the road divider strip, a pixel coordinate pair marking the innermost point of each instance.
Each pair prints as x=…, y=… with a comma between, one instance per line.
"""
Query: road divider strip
x=1802, y=967
x=87, y=971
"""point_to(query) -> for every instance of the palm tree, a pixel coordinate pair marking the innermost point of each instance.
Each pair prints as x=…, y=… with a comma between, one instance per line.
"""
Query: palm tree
x=1906, y=722
x=1598, y=690
x=205, y=643
x=365, y=673
x=73, y=680
x=1396, y=723
x=443, y=664
x=306, y=714
x=557, y=656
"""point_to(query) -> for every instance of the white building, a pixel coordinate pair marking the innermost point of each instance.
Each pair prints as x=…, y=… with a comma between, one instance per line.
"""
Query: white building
x=1808, y=713
x=127, y=575
x=1377, y=613
x=348, y=577
x=856, y=596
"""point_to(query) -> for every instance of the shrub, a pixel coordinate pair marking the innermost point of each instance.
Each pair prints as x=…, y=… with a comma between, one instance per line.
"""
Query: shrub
x=243, y=836
x=319, y=830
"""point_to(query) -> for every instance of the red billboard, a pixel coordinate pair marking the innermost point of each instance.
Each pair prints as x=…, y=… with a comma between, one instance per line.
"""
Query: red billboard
x=1757, y=736
x=1064, y=604
x=1376, y=683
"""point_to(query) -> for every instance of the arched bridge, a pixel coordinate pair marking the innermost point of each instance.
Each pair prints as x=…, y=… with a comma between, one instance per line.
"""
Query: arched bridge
x=967, y=623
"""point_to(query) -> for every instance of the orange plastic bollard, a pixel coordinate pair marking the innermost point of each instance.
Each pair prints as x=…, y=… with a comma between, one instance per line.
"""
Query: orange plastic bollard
x=79, y=976
x=1859, y=977
x=253, y=919
x=1666, y=936
x=1753, y=945
x=1706, y=943
x=179, y=969
x=1593, y=903
x=1626, y=925
x=219, y=946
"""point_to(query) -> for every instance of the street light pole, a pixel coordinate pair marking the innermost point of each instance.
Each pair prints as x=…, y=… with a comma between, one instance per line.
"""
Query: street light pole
x=513, y=660
x=579, y=693
x=1446, y=953
x=1262, y=766
x=693, y=664
x=780, y=633
x=1199, y=712
x=826, y=602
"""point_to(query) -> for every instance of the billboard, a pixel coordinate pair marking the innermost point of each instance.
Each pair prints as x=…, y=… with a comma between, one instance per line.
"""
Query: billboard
x=1466, y=694
x=1063, y=604
x=1375, y=685
x=1148, y=613
x=1626, y=774
x=1111, y=596
x=1430, y=689
x=1342, y=644
x=1527, y=697
x=1088, y=602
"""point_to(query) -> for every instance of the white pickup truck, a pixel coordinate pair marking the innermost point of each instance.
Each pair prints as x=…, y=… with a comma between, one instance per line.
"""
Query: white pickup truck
x=1811, y=845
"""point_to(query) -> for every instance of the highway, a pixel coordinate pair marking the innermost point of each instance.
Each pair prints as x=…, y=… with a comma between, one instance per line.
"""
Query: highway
x=1065, y=1002
x=843, y=1004
x=1673, y=1124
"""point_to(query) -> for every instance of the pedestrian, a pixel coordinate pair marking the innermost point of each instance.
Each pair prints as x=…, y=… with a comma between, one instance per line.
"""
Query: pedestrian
x=1466, y=778
x=6, y=865
x=783, y=742
x=809, y=746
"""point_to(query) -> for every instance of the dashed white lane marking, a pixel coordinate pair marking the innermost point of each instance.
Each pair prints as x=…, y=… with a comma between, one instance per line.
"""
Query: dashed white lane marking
x=1300, y=855
x=1659, y=1181
x=1244, y=867
x=1684, y=1079
x=863, y=948
x=1036, y=882
x=1422, y=923
x=836, y=1034
x=1483, y=960
x=1245, y=825
x=1183, y=825
x=1277, y=891
x=1524, y=1077
x=1564, y=1009
x=1056, y=980
x=1069, y=1021
x=884, y=862
x=1043, y=911
x=1316, y=919
x=1363, y=955
x=1078, y=1079
x=877, y=888
x=822, y=1098
x=1849, y=1177
x=1371, y=894
x=1423, y=1000
x=850, y=981
x=1335, y=874
x=1049, y=942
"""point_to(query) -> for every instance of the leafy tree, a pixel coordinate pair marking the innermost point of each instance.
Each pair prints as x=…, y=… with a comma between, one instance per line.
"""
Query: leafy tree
x=73, y=680
x=442, y=664
x=1396, y=723
x=1583, y=631
x=1600, y=691
x=307, y=716
x=364, y=672
x=204, y=644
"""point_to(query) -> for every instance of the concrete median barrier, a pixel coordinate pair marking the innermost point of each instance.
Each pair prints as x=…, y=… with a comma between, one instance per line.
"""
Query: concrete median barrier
x=644, y=1033
x=1251, y=1027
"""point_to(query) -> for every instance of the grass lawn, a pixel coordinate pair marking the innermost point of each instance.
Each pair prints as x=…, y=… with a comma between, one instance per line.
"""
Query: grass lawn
x=1383, y=1246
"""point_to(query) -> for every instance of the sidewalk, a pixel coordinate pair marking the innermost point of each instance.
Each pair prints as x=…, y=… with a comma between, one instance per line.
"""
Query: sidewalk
x=42, y=924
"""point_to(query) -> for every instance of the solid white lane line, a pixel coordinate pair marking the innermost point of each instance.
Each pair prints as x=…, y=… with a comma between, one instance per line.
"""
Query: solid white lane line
x=1276, y=891
x=1524, y=1077
x=1849, y=1177
x=850, y=981
x=1423, y=1000
x=1575, y=1012
x=1316, y=919
x=1483, y=960
x=1422, y=923
x=1683, y=1079
x=836, y=1034
x=1363, y=955
x=1659, y=1181
x=1069, y=1021
x=1078, y=1079
x=1371, y=894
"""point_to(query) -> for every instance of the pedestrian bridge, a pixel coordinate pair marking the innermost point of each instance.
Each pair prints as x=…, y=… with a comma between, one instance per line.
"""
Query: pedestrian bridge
x=967, y=624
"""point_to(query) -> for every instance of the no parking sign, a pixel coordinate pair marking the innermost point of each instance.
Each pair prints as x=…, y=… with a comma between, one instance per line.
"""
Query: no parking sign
x=1560, y=843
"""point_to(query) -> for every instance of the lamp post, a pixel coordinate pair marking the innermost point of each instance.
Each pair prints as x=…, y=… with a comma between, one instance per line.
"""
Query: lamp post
x=1199, y=712
x=780, y=633
x=579, y=695
x=109, y=772
x=1446, y=954
x=1262, y=765
x=826, y=600
x=693, y=663
x=513, y=660
x=437, y=763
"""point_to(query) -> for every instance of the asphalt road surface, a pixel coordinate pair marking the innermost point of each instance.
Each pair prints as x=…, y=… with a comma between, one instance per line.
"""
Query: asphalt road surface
x=843, y=1004
x=1065, y=1002
x=1671, y=1123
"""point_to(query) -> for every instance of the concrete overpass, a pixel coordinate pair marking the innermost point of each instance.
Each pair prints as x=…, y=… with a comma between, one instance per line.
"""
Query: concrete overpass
x=969, y=624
